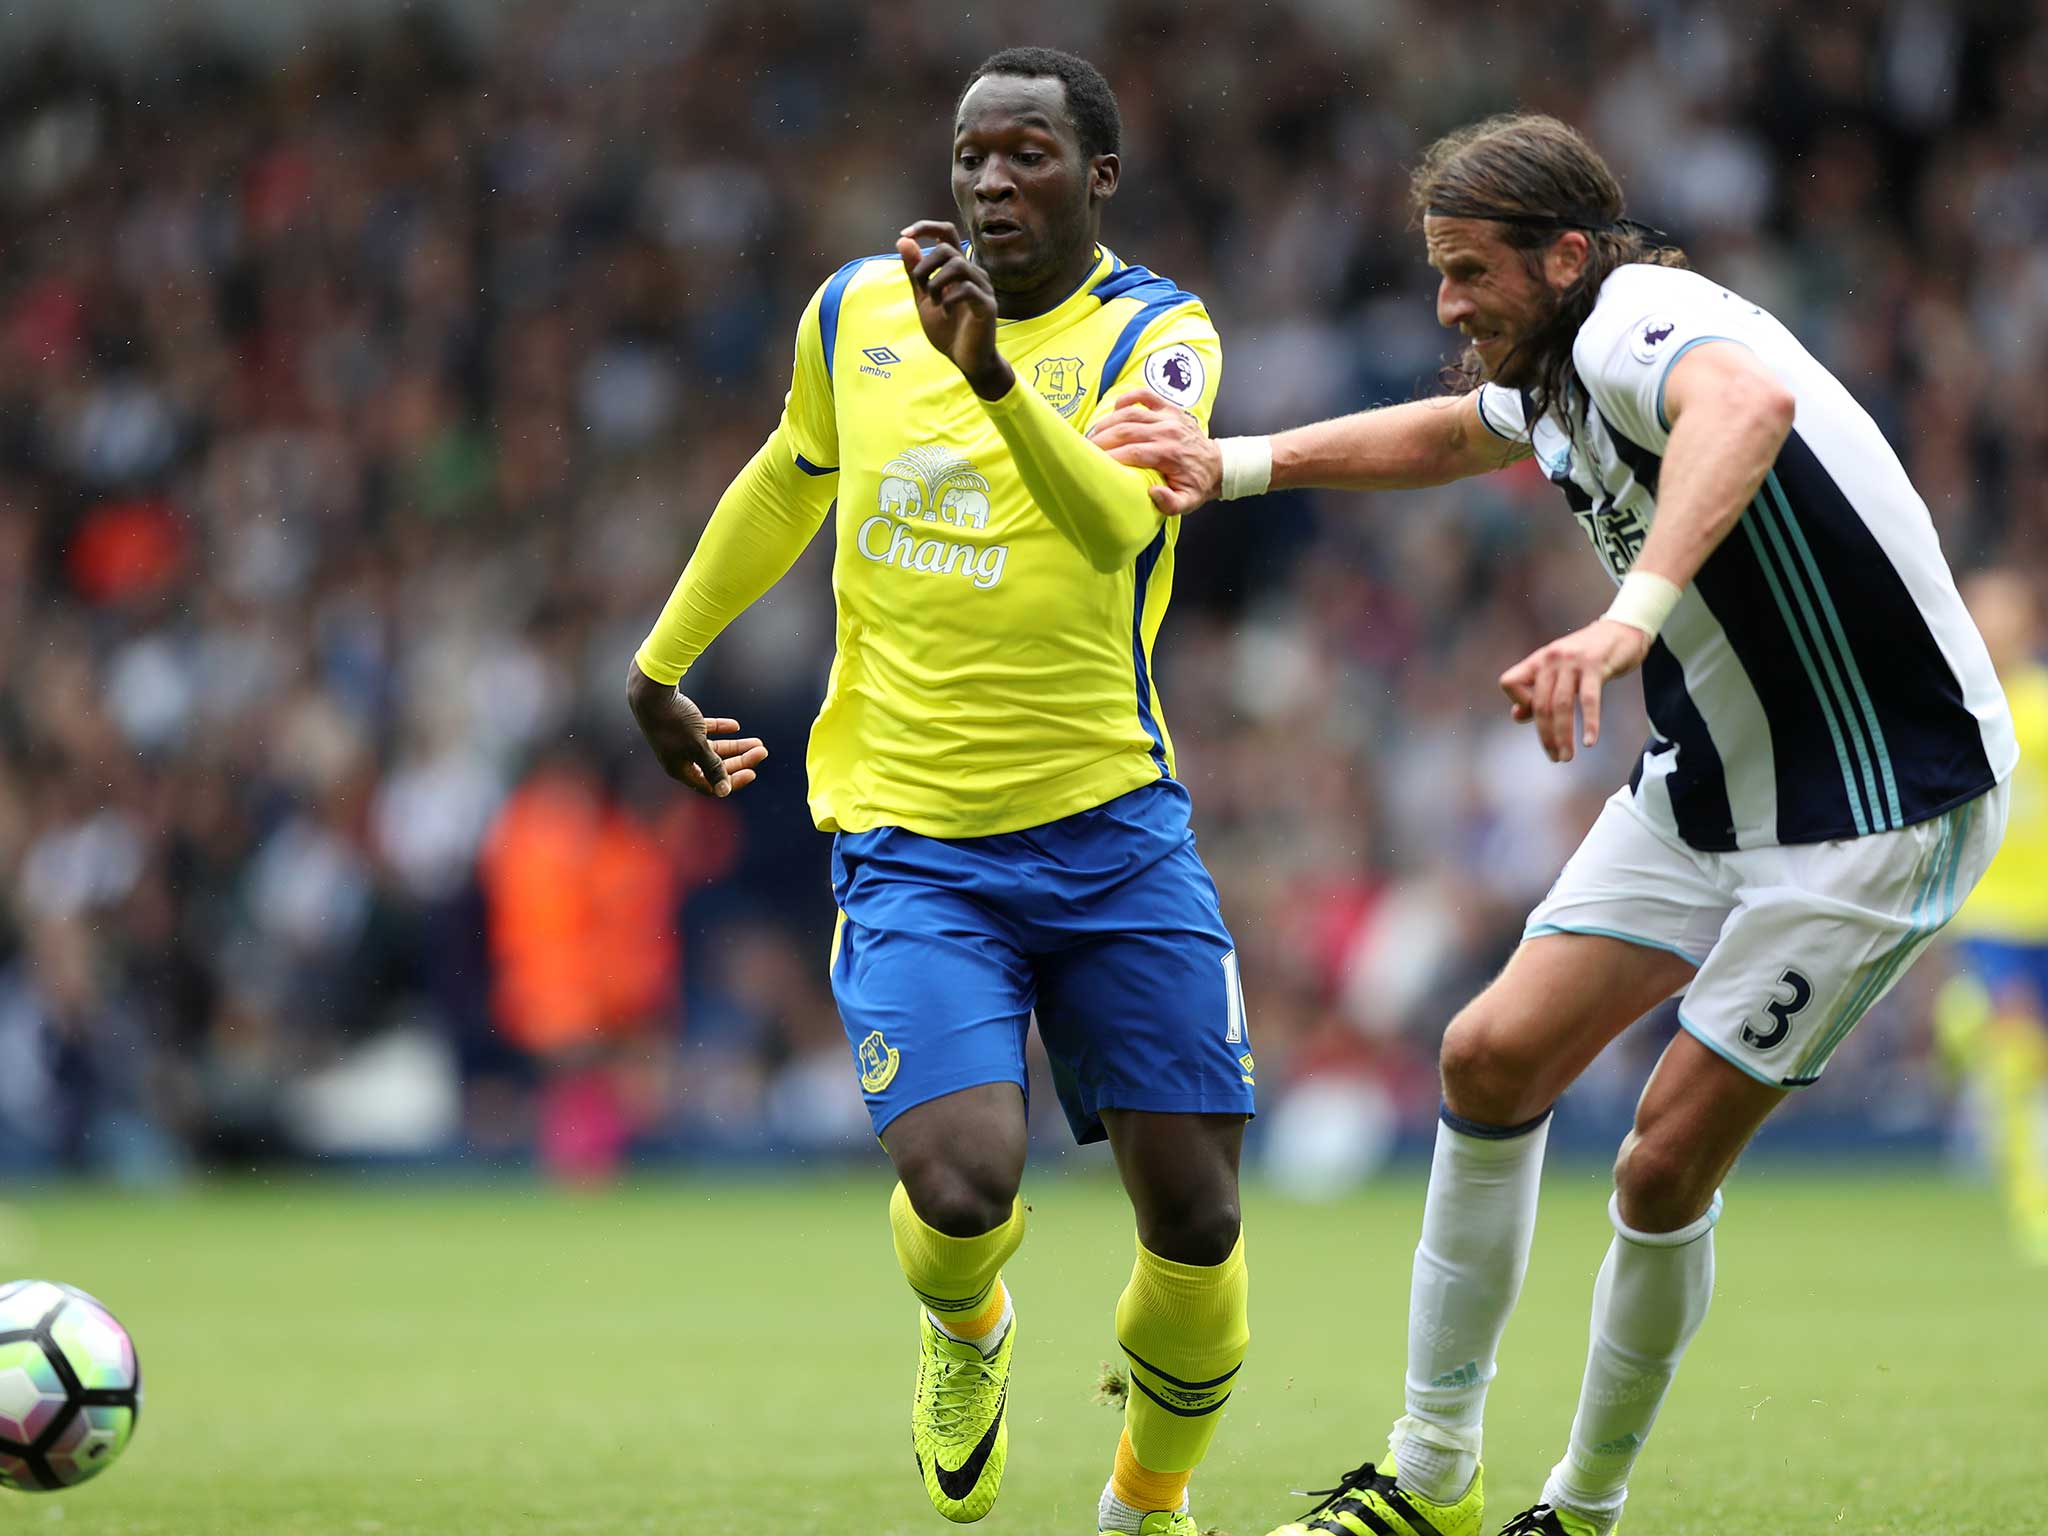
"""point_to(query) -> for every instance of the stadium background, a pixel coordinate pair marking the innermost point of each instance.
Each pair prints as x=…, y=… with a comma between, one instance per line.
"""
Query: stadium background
x=369, y=370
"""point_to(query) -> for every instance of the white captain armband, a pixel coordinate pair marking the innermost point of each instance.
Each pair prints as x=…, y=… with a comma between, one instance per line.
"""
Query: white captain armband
x=1644, y=602
x=1247, y=466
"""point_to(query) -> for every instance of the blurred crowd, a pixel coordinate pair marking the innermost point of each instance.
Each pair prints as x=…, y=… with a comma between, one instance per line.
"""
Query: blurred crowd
x=359, y=405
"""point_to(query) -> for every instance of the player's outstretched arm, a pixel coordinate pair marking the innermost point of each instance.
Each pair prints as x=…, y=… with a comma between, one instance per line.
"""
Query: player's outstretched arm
x=1397, y=447
x=1098, y=505
x=1729, y=418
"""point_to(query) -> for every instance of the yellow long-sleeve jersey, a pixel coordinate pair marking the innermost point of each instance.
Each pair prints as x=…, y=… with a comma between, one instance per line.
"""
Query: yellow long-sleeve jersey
x=2011, y=901
x=999, y=580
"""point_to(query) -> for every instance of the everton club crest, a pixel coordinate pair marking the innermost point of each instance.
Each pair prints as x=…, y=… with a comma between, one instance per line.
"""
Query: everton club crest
x=1059, y=380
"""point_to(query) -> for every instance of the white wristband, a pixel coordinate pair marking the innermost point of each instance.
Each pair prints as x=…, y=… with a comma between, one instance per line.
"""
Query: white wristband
x=1644, y=602
x=1247, y=466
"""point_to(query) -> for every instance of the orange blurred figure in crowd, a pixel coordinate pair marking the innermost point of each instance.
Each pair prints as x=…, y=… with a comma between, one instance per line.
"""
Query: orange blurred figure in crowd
x=582, y=897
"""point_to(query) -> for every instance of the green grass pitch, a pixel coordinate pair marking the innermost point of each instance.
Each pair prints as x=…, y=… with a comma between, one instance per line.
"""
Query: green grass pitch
x=699, y=1358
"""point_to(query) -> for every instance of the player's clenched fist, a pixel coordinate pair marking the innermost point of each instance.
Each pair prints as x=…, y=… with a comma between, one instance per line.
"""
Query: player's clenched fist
x=956, y=304
x=1566, y=675
x=708, y=755
x=1149, y=431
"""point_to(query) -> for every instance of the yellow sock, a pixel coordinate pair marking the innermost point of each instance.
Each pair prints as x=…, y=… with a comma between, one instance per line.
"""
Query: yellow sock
x=1139, y=1486
x=2017, y=1067
x=1185, y=1328
x=956, y=1277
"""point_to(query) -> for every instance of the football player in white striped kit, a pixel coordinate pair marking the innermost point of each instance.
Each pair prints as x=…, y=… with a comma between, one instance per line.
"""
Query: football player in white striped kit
x=1825, y=781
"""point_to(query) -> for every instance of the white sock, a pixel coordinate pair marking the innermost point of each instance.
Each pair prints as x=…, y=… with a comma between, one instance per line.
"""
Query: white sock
x=988, y=1342
x=1649, y=1301
x=1113, y=1514
x=1477, y=1223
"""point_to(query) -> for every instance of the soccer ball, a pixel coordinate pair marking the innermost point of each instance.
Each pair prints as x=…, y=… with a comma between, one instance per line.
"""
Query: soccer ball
x=70, y=1387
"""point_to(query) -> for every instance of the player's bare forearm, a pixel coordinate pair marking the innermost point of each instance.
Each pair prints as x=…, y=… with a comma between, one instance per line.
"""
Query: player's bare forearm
x=1729, y=420
x=1397, y=447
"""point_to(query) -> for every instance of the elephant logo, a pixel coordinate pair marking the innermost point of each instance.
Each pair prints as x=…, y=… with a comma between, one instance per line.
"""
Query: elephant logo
x=935, y=486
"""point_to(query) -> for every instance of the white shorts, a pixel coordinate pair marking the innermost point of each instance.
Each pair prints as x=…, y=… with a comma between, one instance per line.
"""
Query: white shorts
x=1793, y=943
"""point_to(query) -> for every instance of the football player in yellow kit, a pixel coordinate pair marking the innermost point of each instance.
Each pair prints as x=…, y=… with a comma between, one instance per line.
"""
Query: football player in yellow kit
x=993, y=761
x=1993, y=1016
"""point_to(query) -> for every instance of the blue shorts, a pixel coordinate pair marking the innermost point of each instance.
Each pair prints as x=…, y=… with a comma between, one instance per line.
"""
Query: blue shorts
x=1104, y=923
x=2005, y=967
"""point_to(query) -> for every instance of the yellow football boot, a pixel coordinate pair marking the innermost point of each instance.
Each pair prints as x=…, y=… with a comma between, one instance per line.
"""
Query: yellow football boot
x=958, y=1422
x=1365, y=1502
x=1165, y=1522
x=1544, y=1520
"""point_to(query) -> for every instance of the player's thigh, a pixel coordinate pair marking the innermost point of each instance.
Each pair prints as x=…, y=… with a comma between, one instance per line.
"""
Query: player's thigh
x=1628, y=920
x=1821, y=932
x=1141, y=1008
x=1562, y=998
x=935, y=1001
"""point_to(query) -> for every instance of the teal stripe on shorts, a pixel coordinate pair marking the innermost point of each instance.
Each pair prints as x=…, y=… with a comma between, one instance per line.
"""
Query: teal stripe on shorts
x=1538, y=930
x=1933, y=906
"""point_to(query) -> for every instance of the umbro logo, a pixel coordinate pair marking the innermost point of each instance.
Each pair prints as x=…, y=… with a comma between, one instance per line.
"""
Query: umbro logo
x=879, y=360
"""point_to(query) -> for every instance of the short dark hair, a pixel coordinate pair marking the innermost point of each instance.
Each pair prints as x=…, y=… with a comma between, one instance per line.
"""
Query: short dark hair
x=1091, y=104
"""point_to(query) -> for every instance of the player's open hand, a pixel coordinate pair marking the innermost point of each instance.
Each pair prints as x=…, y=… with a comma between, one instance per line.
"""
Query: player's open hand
x=706, y=754
x=1148, y=431
x=956, y=304
x=1566, y=676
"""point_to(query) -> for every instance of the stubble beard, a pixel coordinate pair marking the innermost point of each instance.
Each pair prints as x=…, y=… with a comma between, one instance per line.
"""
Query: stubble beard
x=1524, y=364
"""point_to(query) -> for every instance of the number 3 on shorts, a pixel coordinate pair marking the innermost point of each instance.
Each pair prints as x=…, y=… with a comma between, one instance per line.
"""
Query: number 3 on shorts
x=1781, y=1010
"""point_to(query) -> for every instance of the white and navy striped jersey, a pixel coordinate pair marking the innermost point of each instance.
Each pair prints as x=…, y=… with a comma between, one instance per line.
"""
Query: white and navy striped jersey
x=1819, y=678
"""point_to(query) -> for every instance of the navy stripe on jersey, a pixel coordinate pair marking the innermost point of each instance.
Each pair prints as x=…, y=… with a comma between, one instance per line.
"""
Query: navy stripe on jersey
x=1126, y=281
x=1859, y=684
x=1928, y=746
x=1698, y=785
x=1796, y=612
x=1744, y=591
x=829, y=301
x=1146, y=562
x=1158, y=294
x=1643, y=464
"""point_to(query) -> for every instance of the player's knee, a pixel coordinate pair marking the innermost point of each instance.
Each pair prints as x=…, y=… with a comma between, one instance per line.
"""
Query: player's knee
x=1200, y=1233
x=957, y=1199
x=1660, y=1186
x=1485, y=1077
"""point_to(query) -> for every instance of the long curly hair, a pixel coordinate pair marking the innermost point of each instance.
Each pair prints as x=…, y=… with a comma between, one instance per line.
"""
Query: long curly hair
x=1537, y=178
